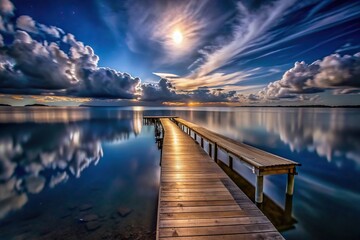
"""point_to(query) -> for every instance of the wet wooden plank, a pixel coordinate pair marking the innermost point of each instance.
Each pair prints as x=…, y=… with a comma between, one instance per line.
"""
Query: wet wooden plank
x=250, y=236
x=197, y=200
x=206, y=222
x=214, y=230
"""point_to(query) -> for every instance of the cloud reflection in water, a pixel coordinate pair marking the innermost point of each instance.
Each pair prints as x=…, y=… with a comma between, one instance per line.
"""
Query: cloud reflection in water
x=330, y=133
x=35, y=154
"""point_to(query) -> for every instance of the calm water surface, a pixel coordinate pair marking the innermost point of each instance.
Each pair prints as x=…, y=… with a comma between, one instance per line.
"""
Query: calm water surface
x=55, y=163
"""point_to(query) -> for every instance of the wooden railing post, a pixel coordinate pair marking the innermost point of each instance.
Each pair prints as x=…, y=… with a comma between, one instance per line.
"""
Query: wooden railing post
x=259, y=189
x=231, y=159
x=202, y=142
x=215, y=152
x=210, y=149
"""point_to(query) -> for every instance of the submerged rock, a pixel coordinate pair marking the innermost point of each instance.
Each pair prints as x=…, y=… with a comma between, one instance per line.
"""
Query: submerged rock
x=124, y=211
x=85, y=207
x=93, y=225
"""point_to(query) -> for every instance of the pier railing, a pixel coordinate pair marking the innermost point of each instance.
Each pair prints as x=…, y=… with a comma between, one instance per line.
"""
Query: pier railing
x=260, y=162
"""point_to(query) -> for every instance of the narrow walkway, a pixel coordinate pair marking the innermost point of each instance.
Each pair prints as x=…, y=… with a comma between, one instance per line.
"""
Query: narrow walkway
x=198, y=200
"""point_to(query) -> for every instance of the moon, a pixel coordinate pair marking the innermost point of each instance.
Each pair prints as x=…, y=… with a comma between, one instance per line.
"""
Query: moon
x=177, y=37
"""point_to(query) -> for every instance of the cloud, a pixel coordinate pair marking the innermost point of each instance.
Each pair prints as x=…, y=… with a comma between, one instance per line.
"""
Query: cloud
x=28, y=66
x=17, y=97
x=347, y=47
x=6, y=12
x=346, y=91
x=51, y=99
x=6, y=7
x=164, y=91
x=250, y=29
x=34, y=67
x=214, y=80
x=196, y=20
x=51, y=30
x=258, y=30
x=106, y=83
x=161, y=91
x=26, y=23
x=334, y=72
x=166, y=75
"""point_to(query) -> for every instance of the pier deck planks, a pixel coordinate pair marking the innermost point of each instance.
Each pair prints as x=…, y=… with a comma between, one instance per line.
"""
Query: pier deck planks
x=197, y=200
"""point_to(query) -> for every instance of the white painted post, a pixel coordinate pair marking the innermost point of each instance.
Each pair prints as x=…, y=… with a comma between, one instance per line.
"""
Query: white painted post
x=290, y=184
x=259, y=189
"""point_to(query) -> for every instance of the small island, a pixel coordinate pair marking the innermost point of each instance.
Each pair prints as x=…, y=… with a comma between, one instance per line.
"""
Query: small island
x=36, y=105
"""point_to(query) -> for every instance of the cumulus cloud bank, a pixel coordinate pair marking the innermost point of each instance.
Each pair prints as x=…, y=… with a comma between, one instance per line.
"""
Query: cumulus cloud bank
x=334, y=72
x=165, y=91
x=30, y=65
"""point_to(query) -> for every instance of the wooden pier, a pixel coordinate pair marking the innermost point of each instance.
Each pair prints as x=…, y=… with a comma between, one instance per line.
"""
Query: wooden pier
x=260, y=162
x=197, y=200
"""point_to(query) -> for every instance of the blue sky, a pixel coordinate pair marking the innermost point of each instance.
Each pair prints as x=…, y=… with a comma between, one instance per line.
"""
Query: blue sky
x=205, y=52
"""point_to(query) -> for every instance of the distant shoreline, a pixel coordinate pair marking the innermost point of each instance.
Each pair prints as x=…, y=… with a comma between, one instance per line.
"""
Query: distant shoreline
x=247, y=106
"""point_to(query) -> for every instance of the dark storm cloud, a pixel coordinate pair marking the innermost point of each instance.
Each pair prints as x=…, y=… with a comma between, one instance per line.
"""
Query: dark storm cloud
x=334, y=72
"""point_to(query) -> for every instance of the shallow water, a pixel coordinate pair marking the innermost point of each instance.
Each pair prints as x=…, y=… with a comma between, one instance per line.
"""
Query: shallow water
x=53, y=161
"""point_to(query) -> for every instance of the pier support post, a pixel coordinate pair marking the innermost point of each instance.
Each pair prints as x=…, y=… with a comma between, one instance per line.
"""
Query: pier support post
x=202, y=142
x=215, y=152
x=290, y=184
x=259, y=189
x=288, y=207
x=231, y=162
x=195, y=137
x=210, y=149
